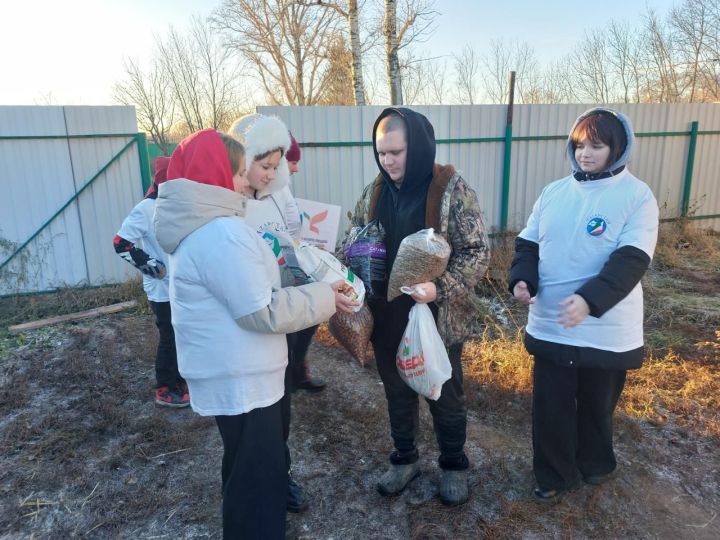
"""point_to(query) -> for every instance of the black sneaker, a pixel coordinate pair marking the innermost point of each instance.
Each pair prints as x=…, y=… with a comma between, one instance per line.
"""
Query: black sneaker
x=546, y=494
x=597, y=479
x=311, y=384
x=296, y=501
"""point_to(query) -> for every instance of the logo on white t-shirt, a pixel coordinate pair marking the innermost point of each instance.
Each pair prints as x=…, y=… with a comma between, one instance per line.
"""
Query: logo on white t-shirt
x=596, y=226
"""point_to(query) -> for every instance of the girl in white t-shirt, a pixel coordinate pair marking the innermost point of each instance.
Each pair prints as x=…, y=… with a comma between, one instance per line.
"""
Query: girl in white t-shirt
x=136, y=243
x=578, y=265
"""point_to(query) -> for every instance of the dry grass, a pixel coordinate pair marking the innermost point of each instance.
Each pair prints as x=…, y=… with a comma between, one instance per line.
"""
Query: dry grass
x=678, y=240
x=499, y=359
x=502, y=247
x=24, y=308
x=690, y=391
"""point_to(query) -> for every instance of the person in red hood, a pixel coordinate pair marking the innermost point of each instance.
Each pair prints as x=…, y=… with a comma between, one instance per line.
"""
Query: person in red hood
x=230, y=316
x=136, y=243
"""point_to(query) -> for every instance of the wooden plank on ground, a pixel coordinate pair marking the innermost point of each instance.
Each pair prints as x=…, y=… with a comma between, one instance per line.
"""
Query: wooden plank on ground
x=32, y=325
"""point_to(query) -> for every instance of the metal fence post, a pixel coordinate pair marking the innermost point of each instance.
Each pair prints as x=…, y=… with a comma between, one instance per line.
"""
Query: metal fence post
x=687, y=184
x=505, y=197
x=141, y=140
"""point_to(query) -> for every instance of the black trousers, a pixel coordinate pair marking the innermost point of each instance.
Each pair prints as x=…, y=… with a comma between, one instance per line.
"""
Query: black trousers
x=254, y=475
x=572, y=422
x=449, y=412
x=286, y=407
x=298, y=345
x=166, y=368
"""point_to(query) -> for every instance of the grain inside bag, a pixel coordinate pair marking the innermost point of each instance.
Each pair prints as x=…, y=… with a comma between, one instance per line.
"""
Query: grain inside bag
x=422, y=256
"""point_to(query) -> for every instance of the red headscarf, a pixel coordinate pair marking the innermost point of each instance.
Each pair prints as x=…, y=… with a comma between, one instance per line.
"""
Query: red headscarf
x=202, y=157
x=293, y=153
x=160, y=165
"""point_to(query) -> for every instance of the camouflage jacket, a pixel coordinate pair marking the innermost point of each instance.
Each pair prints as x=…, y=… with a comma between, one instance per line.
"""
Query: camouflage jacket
x=453, y=210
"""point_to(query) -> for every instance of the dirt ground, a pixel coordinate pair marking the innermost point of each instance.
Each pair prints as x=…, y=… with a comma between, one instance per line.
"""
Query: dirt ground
x=86, y=453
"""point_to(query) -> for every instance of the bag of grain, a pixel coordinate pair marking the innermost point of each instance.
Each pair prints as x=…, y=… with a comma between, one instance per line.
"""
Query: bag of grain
x=353, y=331
x=422, y=256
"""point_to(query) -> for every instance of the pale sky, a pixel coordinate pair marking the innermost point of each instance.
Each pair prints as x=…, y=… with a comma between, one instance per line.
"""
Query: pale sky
x=71, y=52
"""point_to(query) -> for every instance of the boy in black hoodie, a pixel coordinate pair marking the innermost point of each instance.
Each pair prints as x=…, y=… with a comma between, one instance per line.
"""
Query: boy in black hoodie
x=413, y=193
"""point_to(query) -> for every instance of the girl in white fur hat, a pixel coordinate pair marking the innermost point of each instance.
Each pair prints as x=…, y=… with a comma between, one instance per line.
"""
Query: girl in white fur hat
x=271, y=207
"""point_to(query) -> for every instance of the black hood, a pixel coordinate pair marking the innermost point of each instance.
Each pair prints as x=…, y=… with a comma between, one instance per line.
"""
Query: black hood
x=401, y=211
x=420, y=148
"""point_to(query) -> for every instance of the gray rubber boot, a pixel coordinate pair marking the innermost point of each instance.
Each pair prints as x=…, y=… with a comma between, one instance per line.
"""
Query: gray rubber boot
x=453, y=487
x=397, y=478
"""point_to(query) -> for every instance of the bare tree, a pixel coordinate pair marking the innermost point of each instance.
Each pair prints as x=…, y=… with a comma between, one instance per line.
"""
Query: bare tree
x=660, y=59
x=528, y=81
x=557, y=86
x=218, y=75
x=202, y=75
x=151, y=94
x=339, y=89
x=497, y=66
x=45, y=98
x=691, y=23
x=350, y=11
x=503, y=58
x=591, y=68
x=285, y=42
x=417, y=73
x=414, y=24
x=392, y=44
x=178, y=63
x=467, y=65
x=623, y=55
x=437, y=82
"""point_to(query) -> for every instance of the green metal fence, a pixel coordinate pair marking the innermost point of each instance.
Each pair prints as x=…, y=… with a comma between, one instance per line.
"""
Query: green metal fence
x=508, y=139
x=147, y=152
x=138, y=139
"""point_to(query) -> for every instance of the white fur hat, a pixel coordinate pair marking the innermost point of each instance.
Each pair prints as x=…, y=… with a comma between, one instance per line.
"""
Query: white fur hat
x=260, y=134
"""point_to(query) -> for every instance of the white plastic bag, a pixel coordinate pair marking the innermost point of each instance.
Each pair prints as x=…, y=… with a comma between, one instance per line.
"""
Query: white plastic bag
x=422, y=360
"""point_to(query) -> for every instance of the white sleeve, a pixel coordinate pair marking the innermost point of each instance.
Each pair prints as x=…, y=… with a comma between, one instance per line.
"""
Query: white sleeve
x=136, y=226
x=236, y=274
x=531, y=232
x=641, y=228
x=292, y=214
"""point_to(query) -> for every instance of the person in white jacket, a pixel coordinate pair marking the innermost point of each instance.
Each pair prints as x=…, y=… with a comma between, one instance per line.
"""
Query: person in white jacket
x=230, y=315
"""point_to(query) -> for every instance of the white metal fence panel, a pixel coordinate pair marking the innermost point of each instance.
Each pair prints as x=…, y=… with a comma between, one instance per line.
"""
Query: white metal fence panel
x=38, y=176
x=336, y=174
